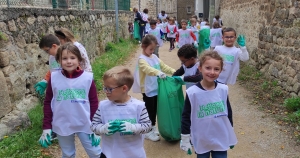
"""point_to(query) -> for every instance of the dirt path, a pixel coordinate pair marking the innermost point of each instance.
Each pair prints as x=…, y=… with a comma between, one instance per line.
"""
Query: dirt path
x=259, y=136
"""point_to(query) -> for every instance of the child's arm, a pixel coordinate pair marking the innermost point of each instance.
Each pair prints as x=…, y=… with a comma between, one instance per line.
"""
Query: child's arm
x=47, y=76
x=193, y=78
x=144, y=125
x=193, y=36
x=165, y=68
x=243, y=54
x=147, y=69
x=177, y=37
x=229, y=112
x=97, y=121
x=175, y=29
x=179, y=72
x=186, y=117
x=93, y=99
x=168, y=31
x=48, y=114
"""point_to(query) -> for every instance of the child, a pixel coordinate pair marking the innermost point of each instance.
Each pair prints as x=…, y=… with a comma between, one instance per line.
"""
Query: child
x=130, y=29
x=231, y=55
x=158, y=34
x=187, y=54
x=171, y=30
x=66, y=35
x=159, y=24
x=145, y=80
x=194, y=27
x=216, y=35
x=49, y=43
x=126, y=114
x=164, y=29
x=185, y=36
x=147, y=27
x=70, y=103
x=204, y=117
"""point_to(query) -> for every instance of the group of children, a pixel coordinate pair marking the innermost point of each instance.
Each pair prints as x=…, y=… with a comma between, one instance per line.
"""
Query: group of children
x=71, y=104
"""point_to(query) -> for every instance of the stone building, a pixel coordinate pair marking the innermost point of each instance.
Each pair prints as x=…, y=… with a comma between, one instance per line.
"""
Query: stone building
x=156, y=6
x=271, y=28
x=185, y=9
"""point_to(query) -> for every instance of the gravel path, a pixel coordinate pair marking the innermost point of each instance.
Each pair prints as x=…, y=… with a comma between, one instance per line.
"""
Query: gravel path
x=259, y=136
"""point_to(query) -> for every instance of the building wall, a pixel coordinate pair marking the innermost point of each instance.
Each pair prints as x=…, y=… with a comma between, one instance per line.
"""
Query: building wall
x=182, y=6
x=272, y=28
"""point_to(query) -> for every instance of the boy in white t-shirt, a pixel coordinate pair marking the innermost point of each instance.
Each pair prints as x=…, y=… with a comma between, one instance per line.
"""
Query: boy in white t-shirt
x=231, y=55
x=121, y=120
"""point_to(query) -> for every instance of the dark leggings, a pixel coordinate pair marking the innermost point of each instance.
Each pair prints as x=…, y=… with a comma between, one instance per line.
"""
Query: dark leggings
x=142, y=31
x=172, y=41
x=102, y=155
x=151, y=106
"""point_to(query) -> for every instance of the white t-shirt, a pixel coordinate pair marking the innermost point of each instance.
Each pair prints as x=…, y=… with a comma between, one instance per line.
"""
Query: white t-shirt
x=162, y=17
x=216, y=37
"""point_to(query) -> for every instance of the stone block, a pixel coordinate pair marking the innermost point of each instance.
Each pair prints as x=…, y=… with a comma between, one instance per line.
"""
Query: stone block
x=20, y=40
x=8, y=70
x=280, y=33
x=297, y=22
x=62, y=18
x=27, y=104
x=5, y=105
x=291, y=72
x=297, y=44
x=31, y=20
x=12, y=26
x=3, y=26
x=72, y=17
x=4, y=59
x=296, y=87
x=261, y=44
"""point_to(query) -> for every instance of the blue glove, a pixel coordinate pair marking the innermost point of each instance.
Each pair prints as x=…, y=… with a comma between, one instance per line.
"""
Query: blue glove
x=95, y=139
x=40, y=87
x=206, y=43
x=241, y=40
x=45, y=139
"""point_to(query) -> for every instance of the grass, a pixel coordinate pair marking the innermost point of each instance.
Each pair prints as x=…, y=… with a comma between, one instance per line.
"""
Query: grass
x=24, y=142
x=272, y=99
x=3, y=37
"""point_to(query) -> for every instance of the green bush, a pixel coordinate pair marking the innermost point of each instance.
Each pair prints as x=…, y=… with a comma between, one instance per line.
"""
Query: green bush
x=292, y=104
x=109, y=47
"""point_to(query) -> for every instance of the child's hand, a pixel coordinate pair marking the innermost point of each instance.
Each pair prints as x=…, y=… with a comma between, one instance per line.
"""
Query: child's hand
x=241, y=40
x=45, y=139
x=196, y=44
x=40, y=87
x=95, y=139
x=185, y=143
x=127, y=127
x=162, y=75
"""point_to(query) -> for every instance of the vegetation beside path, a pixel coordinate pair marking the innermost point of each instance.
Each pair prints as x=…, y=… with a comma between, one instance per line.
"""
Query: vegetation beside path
x=24, y=143
x=272, y=99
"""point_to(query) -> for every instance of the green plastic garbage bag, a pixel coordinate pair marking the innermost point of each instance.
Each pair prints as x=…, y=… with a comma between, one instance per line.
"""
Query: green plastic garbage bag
x=204, y=41
x=136, y=31
x=170, y=102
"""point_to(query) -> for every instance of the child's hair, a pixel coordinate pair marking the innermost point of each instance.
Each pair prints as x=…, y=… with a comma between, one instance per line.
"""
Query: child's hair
x=172, y=20
x=153, y=22
x=193, y=20
x=48, y=41
x=216, y=25
x=65, y=34
x=159, y=20
x=129, y=23
x=183, y=21
x=165, y=20
x=148, y=40
x=174, y=17
x=145, y=10
x=195, y=16
x=229, y=29
x=187, y=51
x=71, y=48
x=168, y=18
x=206, y=20
x=121, y=75
x=211, y=54
x=217, y=17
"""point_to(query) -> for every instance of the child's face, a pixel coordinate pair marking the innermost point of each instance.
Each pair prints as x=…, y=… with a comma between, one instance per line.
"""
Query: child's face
x=69, y=61
x=52, y=50
x=183, y=25
x=149, y=50
x=187, y=62
x=229, y=38
x=210, y=69
x=113, y=91
x=152, y=27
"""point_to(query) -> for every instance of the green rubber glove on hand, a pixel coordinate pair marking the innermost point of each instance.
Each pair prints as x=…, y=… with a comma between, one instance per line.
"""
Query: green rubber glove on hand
x=128, y=128
x=95, y=139
x=179, y=79
x=40, y=87
x=185, y=143
x=241, y=40
x=45, y=139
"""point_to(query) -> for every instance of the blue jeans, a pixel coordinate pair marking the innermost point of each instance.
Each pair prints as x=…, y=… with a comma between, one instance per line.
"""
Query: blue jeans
x=214, y=154
x=67, y=145
x=142, y=31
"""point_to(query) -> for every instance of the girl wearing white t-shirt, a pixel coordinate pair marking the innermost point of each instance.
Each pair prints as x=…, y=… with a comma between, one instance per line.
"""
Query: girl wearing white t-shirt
x=216, y=35
x=205, y=118
x=70, y=104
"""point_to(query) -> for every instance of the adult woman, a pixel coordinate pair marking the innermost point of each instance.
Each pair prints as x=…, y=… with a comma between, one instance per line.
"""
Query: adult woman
x=138, y=18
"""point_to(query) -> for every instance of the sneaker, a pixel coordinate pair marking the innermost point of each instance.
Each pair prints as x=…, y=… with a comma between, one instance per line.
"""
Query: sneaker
x=170, y=50
x=152, y=136
x=154, y=129
x=53, y=136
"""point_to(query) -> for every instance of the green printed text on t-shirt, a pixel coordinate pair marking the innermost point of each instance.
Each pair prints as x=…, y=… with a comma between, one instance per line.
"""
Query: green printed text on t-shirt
x=69, y=94
x=211, y=109
x=228, y=58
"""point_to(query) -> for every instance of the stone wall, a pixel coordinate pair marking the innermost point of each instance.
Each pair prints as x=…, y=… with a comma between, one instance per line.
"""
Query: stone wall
x=182, y=6
x=22, y=63
x=272, y=28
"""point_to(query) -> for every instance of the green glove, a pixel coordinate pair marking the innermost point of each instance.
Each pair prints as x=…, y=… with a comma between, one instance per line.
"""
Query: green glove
x=189, y=152
x=114, y=127
x=45, y=139
x=206, y=43
x=95, y=139
x=40, y=87
x=232, y=146
x=179, y=79
x=241, y=40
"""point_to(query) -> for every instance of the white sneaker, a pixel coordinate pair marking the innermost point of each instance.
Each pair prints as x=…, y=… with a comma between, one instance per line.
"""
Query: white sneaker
x=152, y=136
x=155, y=130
